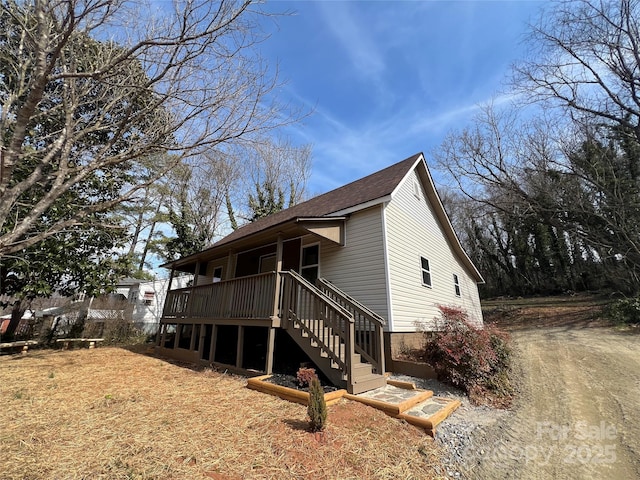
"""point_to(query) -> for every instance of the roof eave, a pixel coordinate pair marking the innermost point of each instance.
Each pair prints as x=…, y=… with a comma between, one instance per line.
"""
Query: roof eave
x=441, y=213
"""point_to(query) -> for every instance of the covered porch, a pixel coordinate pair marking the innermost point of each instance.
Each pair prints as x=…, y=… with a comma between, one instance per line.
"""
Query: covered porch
x=240, y=318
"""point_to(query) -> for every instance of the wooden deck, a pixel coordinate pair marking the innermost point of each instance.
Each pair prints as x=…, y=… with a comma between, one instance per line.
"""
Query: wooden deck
x=341, y=336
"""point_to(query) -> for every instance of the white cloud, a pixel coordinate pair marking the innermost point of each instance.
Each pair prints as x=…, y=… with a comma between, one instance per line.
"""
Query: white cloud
x=356, y=40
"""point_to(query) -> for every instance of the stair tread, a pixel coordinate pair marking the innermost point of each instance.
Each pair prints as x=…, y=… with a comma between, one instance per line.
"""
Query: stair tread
x=361, y=372
x=362, y=369
x=367, y=377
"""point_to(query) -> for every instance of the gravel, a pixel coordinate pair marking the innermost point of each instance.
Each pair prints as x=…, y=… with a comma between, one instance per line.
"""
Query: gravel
x=461, y=435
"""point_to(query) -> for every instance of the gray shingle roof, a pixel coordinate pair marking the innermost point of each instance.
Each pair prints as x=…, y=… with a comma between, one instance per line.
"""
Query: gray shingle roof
x=371, y=187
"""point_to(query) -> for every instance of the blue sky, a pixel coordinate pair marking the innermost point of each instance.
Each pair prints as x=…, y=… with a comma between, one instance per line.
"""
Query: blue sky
x=389, y=79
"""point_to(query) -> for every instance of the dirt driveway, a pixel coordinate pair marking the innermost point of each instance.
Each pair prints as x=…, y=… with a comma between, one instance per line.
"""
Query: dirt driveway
x=578, y=413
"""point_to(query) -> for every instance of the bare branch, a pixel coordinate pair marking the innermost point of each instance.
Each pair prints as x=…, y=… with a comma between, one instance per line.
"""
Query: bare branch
x=88, y=86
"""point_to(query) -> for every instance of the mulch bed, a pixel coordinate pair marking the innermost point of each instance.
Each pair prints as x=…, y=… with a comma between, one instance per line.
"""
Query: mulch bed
x=290, y=381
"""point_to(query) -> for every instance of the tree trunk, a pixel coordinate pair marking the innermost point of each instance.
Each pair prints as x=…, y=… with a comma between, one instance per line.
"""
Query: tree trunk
x=145, y=251
x=17, y=311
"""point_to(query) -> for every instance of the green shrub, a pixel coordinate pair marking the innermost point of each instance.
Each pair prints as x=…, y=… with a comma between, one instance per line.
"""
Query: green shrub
x=625, y=311
x=317, y=409
x=477, y=360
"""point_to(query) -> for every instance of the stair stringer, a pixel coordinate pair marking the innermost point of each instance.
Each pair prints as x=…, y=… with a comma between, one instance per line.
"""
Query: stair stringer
x=322, y=361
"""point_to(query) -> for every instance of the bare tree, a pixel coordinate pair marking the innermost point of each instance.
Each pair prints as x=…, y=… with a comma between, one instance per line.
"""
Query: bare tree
x=141, y=218
x=558, y=188
x=584, y=56
x=282, y=165
x=93, y=87
x=548, y=198
x=197, y=194
x=274, y=177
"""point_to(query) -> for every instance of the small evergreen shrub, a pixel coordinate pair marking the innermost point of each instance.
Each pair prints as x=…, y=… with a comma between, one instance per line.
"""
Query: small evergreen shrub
x=625, y=311
x=477, y=360
x=317, y=409
x=305, y=376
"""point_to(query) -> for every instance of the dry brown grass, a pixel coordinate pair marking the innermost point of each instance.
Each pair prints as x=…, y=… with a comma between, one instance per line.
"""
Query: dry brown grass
x=112, y=413
x=565, y=311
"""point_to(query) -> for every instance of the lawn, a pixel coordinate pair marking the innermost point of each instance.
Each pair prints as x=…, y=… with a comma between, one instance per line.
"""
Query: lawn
x=121, y=414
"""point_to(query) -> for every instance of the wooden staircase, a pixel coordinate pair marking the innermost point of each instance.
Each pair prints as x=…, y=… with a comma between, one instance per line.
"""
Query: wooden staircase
x=326, y=332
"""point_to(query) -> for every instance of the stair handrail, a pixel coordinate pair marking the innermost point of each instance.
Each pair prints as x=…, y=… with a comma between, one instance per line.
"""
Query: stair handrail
x=371, y=348
x=359, y=306
x=346, y=334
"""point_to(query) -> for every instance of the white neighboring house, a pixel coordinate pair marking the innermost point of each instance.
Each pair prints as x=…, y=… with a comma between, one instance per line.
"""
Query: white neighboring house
x=140, y=300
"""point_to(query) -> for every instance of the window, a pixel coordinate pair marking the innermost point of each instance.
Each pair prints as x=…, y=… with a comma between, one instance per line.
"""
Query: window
x=148, y=297
x=133, y=296
x=310, y=262
x=217, y=274
x=456, y=284
x=426, y=272
x=268, y=263
x=416, y=189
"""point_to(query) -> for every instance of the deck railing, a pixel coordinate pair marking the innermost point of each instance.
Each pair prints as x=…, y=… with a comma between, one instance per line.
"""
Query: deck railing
x=336, y=322
x=245, y=297
x=368, y=325
x=329, y=325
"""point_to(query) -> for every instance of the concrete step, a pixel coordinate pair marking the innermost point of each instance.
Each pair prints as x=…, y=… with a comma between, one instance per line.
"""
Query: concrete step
x=392, y=399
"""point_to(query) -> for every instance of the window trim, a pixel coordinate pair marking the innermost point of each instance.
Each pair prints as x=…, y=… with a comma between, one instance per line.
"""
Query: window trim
x=427, y=271
x=316, y=265
x=265, y=257
x=456, y=285
x=213, y=274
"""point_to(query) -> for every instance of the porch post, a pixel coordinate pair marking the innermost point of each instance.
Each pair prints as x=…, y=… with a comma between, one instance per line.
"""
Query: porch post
x=197, y=273
x=201, y=345
x=191, y=293
x=271, y=339
x=240, y=346
x=276, y=298
x=170, y=279
x=214, y=340
x=192, y=342
x=176, y=339
x=227, y=273
x=160, y=335
x=380, y=339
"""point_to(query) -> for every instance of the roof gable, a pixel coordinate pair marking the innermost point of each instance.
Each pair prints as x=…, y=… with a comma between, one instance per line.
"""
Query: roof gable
x=425, y=178
x=349, y=198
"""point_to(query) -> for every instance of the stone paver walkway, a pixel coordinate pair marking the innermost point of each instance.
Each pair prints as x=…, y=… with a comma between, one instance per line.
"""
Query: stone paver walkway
x=392, y=394
x=428, y=408
x=416, y=406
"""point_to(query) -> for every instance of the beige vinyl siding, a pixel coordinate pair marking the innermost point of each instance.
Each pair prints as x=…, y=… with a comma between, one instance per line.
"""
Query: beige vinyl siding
x=413, y=231
x=358, y=267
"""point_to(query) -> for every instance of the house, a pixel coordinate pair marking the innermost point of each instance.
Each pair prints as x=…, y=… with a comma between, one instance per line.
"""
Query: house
x=23, y=327
x=148, y=297
x=348, y=277
x=135, y=300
